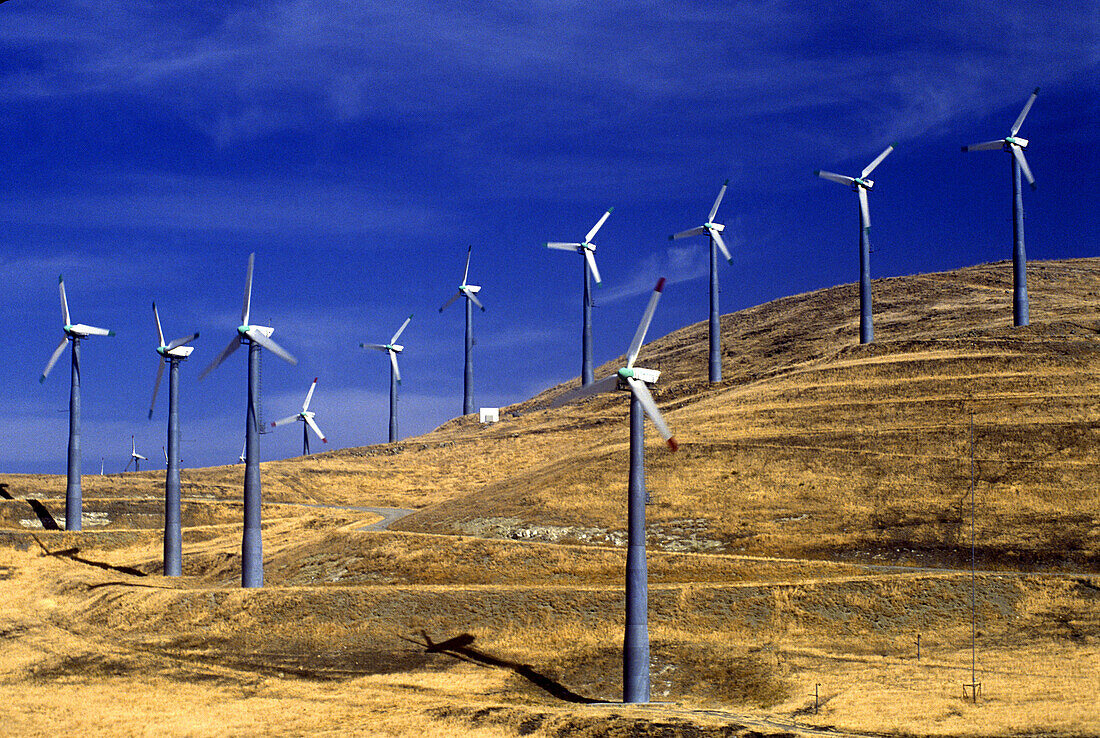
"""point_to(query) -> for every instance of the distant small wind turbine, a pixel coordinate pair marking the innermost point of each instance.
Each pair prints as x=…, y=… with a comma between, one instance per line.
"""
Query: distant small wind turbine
x=635, y=379
x=588, y=250
x=244, y=448
x=257, y=337
x=1016, y=146
x=468, y=291
x=714, y=231
x=862, y=186
x=172, y=353
x=306, y=418
x=393, y=348
x=74, y=502
x=135, y=457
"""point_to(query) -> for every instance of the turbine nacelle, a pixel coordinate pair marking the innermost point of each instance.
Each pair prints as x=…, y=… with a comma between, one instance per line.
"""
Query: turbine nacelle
x=1014, y=141
x=473, y=289
x=866, y=184
x=179, y=352
x=649, y=376
x=263, y=330
x=714, y=227
x=83, y=331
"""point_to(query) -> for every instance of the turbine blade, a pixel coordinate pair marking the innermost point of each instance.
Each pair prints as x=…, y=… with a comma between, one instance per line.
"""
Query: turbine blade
x=246, y=308
x=591, y=259
x=470, y=296
x=400, y=330
x=1019, y=154
x=1023, y=113
x=133, y=446
x=864, y=210
x=835, y=177
x=599, y=224
x=607, y=384
x=393, y=363
x=53, y=358
x=284, y=421
x=313, y=425
x=131, y=461
x=64, y=300
x=722, y=245
x=717, y=201
x=267, y=343
x=690, y=232
x=233, y=344
x=985, y=145
x=181, y=341
x=650, y=408
x=156, y=386
x=160, y=333
x=878, y=160
x=643, y=326
x=375, y=346
x=309, y=395
x=454, y=297
x=560, y=246
x=139, y=456
x=466, y=271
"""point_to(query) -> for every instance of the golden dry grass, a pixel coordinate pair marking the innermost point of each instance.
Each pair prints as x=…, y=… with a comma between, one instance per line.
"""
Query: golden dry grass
x=814, y=459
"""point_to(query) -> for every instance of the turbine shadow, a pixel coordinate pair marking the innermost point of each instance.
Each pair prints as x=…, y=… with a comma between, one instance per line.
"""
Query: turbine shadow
x=44, y=516
x=71, y=554
x=4, y=491
x=459, y=648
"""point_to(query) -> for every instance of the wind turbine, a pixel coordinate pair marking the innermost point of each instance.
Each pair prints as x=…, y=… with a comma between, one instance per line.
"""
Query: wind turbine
x=714, y=231
x=635, y=380
x=306, y=418
x=73, y=498
x=468, y=291
x=135, y=457
x=172, y=354
x=257, y=337
x=587, y=249
x=861, y=185
x=393, y=348
x=1016, y=147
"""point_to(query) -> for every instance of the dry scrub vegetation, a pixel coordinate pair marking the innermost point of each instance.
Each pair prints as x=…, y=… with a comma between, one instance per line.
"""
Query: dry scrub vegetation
x=804, y=478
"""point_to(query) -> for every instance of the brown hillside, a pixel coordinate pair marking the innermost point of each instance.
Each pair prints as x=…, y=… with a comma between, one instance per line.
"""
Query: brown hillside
x=811, y=446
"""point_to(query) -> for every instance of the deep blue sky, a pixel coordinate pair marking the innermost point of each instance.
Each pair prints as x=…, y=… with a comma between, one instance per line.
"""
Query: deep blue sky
x=358, y=150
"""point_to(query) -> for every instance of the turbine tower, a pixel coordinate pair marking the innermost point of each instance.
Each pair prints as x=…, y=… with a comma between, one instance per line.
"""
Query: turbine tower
x=73, y=499
x=172, y=354
x=135, y=457
x=306, y=418
x=635, y=380
x=468, y=291
x=1016, y=146
x=587, y=249
x=393, y=348
x=714, y=231
x=257, y=337
x=861, y=185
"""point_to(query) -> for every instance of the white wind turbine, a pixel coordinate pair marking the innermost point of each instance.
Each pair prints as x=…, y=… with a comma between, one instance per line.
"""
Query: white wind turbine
x=1016, y=146
x=74, y=333
x=135, y=457
x=635, y=380
x=588, y=250
x=393, y=348
x=306, y=418
x=861, y=185
x=469, y=291
x=257, y=337
x=172, y=354
x=714, y=231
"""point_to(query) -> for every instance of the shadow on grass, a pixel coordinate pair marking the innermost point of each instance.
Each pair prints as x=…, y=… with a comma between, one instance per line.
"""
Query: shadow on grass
x=4, y=491
x=459, y=647
x=44, y=516
x=71, y=554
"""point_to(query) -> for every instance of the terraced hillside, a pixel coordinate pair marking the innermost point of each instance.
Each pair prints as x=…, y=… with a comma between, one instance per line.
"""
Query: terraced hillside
x=815, y=466
x=811, y=446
